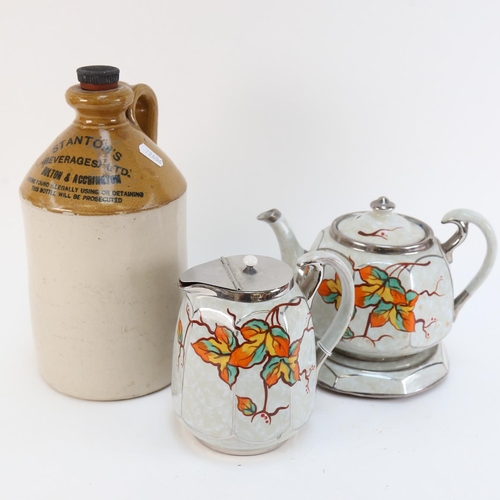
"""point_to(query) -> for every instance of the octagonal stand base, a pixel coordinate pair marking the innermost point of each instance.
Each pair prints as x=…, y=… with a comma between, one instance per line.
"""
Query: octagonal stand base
x=384, y=379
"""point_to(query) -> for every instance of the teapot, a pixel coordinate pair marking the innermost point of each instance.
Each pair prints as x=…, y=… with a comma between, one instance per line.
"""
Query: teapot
x=245, y=361
x=404, y=302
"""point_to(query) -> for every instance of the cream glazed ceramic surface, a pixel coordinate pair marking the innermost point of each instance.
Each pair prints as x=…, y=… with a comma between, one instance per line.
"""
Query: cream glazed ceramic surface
x=244, y=373
x=233, y=408
x=404, y=299
x=403, y=286
x=404, y=304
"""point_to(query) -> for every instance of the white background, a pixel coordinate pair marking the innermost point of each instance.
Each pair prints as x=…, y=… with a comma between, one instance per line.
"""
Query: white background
x=316, y=108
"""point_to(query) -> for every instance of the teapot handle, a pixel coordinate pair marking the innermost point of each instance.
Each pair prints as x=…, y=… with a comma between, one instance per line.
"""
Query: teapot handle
x=143, y=111
x=461, y=217
x=318, y=259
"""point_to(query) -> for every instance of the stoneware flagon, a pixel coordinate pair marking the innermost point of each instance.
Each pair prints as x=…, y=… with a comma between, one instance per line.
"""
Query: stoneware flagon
x=104, y=214
x=246, y=361
x=404, y=298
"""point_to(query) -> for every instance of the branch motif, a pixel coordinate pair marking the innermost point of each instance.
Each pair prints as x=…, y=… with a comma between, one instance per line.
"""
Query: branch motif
x=380, y=233
x=257, y=342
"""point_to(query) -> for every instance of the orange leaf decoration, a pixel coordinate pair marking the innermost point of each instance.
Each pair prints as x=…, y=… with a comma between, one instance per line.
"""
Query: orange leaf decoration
x=400, y=316
x=179, y=332
x=331, y=291
x=217, y=351
x=246, y=406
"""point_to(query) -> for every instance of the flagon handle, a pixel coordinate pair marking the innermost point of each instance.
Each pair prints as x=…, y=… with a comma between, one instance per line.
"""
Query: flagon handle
x=462, y=217
x=143, y=112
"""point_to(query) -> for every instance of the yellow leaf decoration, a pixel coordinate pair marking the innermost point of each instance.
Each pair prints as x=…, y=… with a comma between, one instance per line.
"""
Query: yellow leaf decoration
x=262, y=340
x=217, y=351
x=400, y=316
x=286, y=369
x=179, y=332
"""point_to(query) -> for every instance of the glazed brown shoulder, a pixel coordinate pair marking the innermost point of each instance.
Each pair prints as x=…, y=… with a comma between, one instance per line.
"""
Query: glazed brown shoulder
x=103, y=163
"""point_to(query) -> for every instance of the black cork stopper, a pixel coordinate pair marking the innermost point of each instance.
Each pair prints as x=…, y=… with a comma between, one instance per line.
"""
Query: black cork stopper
x=98, y=77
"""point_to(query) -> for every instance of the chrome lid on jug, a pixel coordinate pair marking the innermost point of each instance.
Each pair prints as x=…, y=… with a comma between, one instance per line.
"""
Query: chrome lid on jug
x=241, y=278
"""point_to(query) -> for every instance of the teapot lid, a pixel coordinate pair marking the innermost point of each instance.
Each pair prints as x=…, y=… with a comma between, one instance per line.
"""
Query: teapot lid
x=381, y=230
x=241, y=278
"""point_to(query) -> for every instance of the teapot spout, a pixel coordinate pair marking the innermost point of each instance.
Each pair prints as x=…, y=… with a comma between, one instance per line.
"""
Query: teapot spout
x=290, y=248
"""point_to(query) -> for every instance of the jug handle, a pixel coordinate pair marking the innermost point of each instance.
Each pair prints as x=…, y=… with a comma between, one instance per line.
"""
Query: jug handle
x=318, y=260
x=143, y=111
x=461, y=217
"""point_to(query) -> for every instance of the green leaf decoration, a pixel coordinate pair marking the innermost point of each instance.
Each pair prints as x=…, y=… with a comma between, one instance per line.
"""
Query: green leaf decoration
x=280, y=368
x=349, y=334
x=378, y=286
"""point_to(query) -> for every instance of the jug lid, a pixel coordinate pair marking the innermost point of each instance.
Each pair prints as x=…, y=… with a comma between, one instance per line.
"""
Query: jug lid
x=242, y=278
x=381, y=230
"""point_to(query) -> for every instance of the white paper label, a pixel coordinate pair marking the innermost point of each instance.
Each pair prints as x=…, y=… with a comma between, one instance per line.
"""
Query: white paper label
x=150, y=154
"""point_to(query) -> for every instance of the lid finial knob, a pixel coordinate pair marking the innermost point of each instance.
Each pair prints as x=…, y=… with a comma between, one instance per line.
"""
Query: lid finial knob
x=250, y=262
x=383, y=203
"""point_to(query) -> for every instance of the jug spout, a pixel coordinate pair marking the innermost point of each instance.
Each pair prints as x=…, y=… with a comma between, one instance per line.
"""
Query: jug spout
x=290, y=248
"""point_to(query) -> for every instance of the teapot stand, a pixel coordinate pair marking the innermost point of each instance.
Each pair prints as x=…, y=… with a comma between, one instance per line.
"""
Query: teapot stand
x=384, y=379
